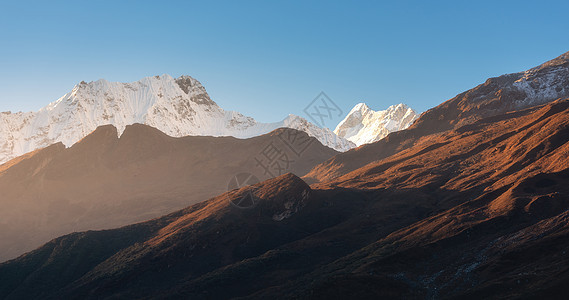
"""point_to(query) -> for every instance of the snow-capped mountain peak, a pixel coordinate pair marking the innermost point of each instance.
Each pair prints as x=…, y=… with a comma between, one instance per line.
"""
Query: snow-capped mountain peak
x=362, y=125
x=360, y=107
x=177, y=106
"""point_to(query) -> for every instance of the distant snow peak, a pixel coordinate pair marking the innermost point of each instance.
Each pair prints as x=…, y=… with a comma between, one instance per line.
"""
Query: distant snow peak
x=362, y=125
x=177, y=106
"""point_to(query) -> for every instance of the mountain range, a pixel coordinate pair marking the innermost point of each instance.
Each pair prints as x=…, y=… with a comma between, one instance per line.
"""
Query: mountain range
x=104, y=120
x=176, y=106
x=364, y=126
x=469, y=202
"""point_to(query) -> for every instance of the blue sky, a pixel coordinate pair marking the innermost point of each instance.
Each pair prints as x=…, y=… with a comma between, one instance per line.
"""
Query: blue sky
x=268, y=59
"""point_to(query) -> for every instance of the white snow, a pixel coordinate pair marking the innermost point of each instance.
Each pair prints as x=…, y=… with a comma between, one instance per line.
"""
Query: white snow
x=542, y=88
x=159, y=101
x=363, y=125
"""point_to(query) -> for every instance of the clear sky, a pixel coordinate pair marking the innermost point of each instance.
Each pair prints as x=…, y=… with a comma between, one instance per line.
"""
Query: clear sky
x=267, y=59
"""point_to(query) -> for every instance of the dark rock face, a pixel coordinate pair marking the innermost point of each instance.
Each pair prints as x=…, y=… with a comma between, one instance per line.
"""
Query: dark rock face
x=188, y=83
x=185, y=83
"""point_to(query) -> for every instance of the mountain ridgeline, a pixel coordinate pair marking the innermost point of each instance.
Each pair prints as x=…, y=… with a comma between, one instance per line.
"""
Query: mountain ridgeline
x=507, y=93
x=106, y=181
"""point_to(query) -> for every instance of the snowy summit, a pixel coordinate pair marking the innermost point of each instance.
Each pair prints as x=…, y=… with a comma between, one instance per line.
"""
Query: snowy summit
x=176, y=106
x=363, y=125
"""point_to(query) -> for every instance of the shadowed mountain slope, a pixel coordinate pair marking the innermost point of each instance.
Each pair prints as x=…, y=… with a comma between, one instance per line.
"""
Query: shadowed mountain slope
x=105, y=181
